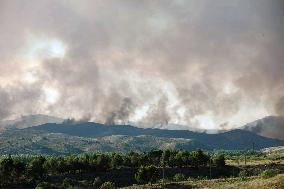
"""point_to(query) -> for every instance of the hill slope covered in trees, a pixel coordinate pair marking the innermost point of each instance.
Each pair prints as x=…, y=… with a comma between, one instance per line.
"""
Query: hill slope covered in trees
x=68, y=138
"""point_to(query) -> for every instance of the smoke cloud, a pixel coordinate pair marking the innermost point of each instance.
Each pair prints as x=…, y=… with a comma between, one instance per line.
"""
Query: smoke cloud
x=279, y=107
x=203, y=64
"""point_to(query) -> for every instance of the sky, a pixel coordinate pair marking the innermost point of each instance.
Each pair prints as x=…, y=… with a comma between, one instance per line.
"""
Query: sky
x=204, y=64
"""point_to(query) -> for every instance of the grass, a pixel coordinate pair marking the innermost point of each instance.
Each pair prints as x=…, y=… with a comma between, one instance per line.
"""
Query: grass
x=268, y=173
x=251, y=183
x=276, y=182
x=266, y=179
x=255, y=161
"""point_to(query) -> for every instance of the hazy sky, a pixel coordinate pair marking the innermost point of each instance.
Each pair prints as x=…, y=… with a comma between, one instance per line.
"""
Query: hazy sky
x=207, y=64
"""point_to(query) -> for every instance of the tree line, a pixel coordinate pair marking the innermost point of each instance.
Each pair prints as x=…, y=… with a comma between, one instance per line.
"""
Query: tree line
x=16, y=171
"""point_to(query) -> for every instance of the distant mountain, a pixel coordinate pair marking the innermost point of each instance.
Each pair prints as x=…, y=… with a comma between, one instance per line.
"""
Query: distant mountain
x=173, y=126
x=29, y=121
x=271, y=126
x=235, y=139
x=36, y=142
x=28, y=136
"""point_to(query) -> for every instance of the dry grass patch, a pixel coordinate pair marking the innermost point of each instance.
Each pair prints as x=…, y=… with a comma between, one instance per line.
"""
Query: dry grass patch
x=276, y=182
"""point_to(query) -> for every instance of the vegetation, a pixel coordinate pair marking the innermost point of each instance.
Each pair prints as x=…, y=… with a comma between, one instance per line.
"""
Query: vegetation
x=66, y=171
x=113, y=170
x=268, y=173
x=36, y=142
x=108, y=185
x=179, y=177
x=147, y=174
x=276, y=182
x=97, y=182
x=63, y=139
x=243, y=175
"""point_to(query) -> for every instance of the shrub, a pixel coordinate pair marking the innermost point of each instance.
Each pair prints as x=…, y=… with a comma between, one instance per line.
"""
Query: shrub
x=201, y=178
x=191, y=179
x=44, y=185
x=36, y=169
x=179, y=177
x=84, y=182
x=268, y=173
x=243, y=175
x=97, y=182
x=219, y=161
x=67, y=182
x=146, y=174
x=162, y=181
x=107, y=185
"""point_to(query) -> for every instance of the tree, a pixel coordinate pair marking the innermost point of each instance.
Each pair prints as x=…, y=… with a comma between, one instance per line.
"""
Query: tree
x=74, y=164
x=179, y=177
x=134, y=159
x=198, y=158
x=182, y=158
x=172, y=161
x=97, y=182
x=219, y=161
x=51, y=165
x=36, y=169
x=146, y=174
x=127, y=161
x=103, y=162
x=154, y=156
x=165, y=157
x=6, y=169
x=116, y=160
x=18, y=170
x=67, y=182
x=11, y=170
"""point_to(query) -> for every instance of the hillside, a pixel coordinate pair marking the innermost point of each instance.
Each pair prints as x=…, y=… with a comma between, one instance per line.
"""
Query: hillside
x=235, y=139
x=35, y=142
x=80, y=137
x=231, y=140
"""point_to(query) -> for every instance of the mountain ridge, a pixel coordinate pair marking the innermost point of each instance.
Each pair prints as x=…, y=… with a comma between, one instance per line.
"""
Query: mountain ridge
x=85, y=137
x=237, y=139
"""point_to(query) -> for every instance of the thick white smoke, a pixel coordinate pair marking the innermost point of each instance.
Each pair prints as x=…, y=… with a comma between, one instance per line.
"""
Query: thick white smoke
x=208, y=64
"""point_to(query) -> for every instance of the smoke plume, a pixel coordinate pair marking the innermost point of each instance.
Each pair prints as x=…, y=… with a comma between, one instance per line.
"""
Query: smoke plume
x=196, y=63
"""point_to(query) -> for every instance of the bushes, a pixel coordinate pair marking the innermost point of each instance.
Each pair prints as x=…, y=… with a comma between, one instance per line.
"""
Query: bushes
x=36, y=169
x=11, y=171
x=67, y=183
x=97, y=182
x=268, y=173
x=219, y=161
x=108, y=185
x=243, y=175
x=44, y=185
x=179, y=177
x=146, y=174
x=103, y=162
